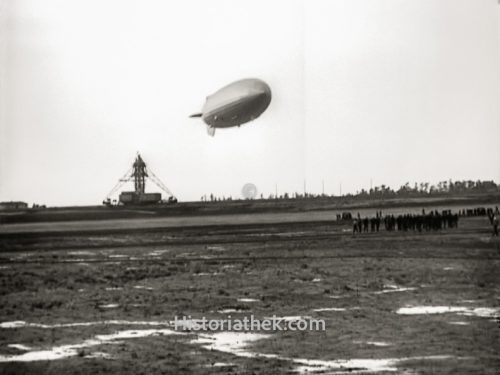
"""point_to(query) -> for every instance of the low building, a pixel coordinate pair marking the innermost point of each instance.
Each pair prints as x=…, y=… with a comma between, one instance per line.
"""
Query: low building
x=13, y=205
x=131, y=197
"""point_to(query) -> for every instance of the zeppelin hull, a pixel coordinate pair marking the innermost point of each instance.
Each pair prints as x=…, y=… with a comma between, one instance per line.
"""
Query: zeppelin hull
x=236, y=104
x=237, y=112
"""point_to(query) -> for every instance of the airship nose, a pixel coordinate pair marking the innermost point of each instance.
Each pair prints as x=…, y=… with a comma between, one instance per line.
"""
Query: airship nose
x=261, y=88
x=260, y=92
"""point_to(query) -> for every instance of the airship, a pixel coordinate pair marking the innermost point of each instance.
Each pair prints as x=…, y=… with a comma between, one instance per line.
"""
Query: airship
x=235, y=104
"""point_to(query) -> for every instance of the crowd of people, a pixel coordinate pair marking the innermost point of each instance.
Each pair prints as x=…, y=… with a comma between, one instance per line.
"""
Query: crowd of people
x=431, y=221
x=493, y=217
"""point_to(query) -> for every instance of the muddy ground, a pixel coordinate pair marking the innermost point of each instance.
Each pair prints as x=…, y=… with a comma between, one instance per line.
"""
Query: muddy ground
x=58, y=292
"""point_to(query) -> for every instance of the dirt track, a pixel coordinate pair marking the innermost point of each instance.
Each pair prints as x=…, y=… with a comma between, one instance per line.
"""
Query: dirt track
x=147, y=276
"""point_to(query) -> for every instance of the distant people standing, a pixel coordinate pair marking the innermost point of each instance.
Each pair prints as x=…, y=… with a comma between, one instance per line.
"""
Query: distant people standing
x=354, y=226
x=495, y=226
x=491, y=216
x=365, y=224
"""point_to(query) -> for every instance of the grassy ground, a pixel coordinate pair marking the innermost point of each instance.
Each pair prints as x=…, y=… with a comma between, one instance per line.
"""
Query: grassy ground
x=245, y=207
x=154, y=275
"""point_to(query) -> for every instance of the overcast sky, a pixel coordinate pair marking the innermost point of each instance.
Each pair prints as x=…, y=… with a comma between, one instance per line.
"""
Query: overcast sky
x=383, y=90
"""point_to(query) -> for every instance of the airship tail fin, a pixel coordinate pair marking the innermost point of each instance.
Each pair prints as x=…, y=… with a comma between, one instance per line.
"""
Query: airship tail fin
x=196, y=115
x=210, y=131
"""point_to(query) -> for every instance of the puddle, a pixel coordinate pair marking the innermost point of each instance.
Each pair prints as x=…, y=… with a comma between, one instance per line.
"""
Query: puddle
x=143, y=287
x=293, y=318
x=459, y=323
x=247, y=300
x=330, y=309
x=114, y=288
x=316, y=280
x=448, y=269
x=22, y=347
x=390, y=286
x=117, y=256
x=335, y=297
x=393, y=289
x=237, y=343
x=64, y=351
x=352, y=366
x=22, y=324
x=4, y=267
x=373, y=343
x=229, y=311
x=98, y=355
x=230, y=342
x=158, y=252
x=109, y=306
x=378, y=343
x=221, y=364
x=484, y=312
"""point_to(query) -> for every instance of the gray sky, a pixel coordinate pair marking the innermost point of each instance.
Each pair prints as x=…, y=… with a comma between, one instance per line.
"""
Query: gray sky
x=388, y=90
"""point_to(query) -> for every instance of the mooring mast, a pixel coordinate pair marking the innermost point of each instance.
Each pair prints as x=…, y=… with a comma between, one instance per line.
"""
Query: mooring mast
x=139, y=175
x=139, y=172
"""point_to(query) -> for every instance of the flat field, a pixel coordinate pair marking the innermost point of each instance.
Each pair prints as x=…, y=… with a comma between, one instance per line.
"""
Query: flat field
x=98, y=299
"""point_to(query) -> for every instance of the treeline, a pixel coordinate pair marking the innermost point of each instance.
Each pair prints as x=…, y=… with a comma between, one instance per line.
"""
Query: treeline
x=442, y=188
x=424, y=189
